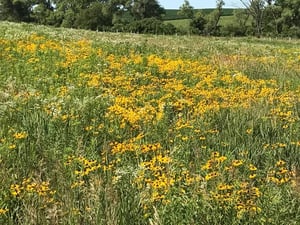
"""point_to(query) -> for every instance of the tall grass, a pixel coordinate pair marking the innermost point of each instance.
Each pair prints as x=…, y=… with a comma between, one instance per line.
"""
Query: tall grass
x=104, y=128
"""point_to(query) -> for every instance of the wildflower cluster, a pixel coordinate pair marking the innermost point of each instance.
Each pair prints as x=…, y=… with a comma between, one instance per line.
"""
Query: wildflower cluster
x=229, y=185
x=280, y=174
x=29, y=188
x=20, y=135
x=126, y=131
x=82, y=169
x=155, y=181
x=3, y=211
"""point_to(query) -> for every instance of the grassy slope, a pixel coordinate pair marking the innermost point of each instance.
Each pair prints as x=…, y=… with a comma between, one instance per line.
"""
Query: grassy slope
x=179, y=23
x=183, y=23
x=85, y=73
x=172, y=14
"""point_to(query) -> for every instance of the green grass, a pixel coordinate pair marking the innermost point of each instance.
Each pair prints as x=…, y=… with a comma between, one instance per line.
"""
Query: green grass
x=180, y=23
x=185, y=23
x=172, y=14
x=225, y=20
x=117, y=128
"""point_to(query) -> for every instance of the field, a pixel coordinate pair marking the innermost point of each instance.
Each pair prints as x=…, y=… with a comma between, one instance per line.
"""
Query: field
x=172, y=14
x=184, y=24
x=111, y=128
x=181, y=24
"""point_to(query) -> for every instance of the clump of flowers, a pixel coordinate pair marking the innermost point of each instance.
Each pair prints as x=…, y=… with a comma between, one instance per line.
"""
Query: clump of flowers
x=232, y=184
x=30, y=188
x=20, y=135
x=280, y=174
x=3, y=211
x=82, y=168
x=153, y=179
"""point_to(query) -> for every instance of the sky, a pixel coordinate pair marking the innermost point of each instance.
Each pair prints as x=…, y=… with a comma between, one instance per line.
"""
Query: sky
x=198, y=4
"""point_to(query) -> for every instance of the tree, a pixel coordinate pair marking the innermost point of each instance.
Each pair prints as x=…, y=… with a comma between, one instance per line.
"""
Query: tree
x=280, y=17
x=186, y=10
x=87, y=14
x=141, y=9
x=150, y=26
x=16, y=10
x=290, y=15
x=198, y=23
x=42, y=12
x=238, y=25
x=66, y=11
x=96, y=17
x=214, y=18
x=255, y=8
x=272, y=18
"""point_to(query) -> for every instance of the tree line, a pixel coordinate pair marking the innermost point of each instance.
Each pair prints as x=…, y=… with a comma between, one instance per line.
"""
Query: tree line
x=85, y=14
x=257, y=17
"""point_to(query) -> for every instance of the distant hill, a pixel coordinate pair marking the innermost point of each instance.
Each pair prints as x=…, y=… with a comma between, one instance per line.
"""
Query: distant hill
x=172, y=14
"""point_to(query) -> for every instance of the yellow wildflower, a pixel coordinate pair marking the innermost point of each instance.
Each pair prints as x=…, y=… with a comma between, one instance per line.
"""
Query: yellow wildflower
x=237, y=163
x=20, y=135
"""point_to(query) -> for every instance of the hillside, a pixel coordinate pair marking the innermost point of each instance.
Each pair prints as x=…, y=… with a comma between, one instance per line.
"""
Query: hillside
x=172, y=14
x=183, y=24
x=120, y=128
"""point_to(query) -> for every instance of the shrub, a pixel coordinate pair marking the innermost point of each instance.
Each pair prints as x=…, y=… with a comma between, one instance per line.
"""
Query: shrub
x=149, y=26
x=198, y=23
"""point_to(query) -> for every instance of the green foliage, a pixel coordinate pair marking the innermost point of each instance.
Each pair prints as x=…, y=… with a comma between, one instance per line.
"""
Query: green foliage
x=43, y=13
x=182, y=25
x=149, y=26
x=172, y=14
x=255, y=9
x=15, y=10
x=260, y=17
x=238, y=25
x=141, y=9
x=198, y=23
x=208, y=24
x=95, y=17
x=280, y=18
x=106, y=128
x=186, y=10
x=290, y=12
x=272, y=24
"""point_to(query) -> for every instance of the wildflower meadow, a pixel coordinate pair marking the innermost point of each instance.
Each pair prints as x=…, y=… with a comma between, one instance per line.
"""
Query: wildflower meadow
x=109, y=128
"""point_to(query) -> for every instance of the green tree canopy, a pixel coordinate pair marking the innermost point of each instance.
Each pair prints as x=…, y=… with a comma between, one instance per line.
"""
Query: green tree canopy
x=96, y=17
x=256, y=8
x=213, y=19
x=16, y=10
x=186, y=10
x=198, y=23
x=42, y=12
x=141, y=9
x=290, y=12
